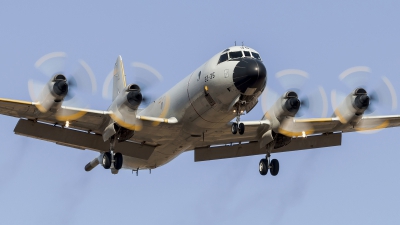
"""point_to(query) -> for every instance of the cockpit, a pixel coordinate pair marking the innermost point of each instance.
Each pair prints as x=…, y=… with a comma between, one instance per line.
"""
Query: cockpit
x=229, y=54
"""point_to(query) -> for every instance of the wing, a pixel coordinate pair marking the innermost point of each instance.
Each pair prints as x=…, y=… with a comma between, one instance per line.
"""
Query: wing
x=328, y=125
x=87, y=127
x=89, y=121
x=81, y=119
x=326, y=132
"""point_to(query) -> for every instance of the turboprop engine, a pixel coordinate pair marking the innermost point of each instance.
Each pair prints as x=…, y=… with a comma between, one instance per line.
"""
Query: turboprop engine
x=286, y=106
x=53, y=93
x=123, y=112
x=131, y=98
x=352, y=108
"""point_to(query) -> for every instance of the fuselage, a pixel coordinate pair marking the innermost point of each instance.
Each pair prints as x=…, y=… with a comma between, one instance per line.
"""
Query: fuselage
x=226, y=85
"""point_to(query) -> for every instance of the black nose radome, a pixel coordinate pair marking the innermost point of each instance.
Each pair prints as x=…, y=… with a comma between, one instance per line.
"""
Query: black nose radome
x=362, y=101
x=249, y=75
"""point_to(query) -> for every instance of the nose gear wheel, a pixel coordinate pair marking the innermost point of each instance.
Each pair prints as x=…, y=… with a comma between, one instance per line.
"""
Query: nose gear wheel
x=241, y=128
x=238, y=127
x=234, y=128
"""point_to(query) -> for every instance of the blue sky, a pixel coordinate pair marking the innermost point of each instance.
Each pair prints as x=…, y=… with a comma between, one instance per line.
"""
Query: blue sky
x=356, y=183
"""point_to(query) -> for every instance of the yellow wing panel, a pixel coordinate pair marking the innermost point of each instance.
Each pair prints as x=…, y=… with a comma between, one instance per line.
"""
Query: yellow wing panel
x=92, y=120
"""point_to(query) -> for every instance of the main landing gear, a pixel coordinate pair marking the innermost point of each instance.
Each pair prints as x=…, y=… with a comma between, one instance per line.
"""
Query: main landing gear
x=109, y=158
x=268, y=164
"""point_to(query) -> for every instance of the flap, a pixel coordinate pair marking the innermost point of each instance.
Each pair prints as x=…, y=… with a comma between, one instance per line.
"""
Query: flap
x=253, y=148
x=79, y=139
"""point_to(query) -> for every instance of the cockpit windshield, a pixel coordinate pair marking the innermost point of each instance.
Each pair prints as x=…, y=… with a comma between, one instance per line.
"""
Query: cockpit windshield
x=227, y=55
x=223, y=58
x=256, y=55
x=234, y=55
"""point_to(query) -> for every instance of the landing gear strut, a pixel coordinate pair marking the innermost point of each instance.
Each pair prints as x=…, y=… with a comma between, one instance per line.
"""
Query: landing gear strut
x=267, y=163
x=237, y=126
x=110, y=158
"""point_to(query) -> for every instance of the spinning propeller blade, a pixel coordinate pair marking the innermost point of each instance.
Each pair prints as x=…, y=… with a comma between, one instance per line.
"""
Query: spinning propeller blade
x=146, y=78
x=81, y=80
x=314, y=101
x=381, y=92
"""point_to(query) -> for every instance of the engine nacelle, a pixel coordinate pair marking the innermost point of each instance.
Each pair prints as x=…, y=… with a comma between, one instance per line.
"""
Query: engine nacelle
x=131, y=98
x=286, y=106
x=352, y=108
x=125, y=105
x=52, y=94
x=59, y=87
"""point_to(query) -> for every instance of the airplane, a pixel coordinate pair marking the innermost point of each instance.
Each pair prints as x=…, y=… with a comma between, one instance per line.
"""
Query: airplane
x=201, y=113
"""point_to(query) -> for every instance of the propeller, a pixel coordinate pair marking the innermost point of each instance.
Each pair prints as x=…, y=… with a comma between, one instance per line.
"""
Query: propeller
x=63, y=86
x=146, y=78
x=312, y=101
x=381, y=92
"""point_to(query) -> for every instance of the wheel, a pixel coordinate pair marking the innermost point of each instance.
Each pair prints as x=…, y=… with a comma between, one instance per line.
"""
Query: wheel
x=274, y=167
x=118, y=160
x=263, y=167
x=234, y=128
x=106, y=160
x=241, y=128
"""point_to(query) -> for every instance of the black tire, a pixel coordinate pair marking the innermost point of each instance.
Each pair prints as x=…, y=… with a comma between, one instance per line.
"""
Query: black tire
x=274, y=167
x=234, y=128
x=106, y=160
x=263, y=167
x=241, y=128
x=118, y=161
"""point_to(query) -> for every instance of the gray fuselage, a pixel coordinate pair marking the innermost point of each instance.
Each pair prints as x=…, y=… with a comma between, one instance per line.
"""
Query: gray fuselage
x=208, y=98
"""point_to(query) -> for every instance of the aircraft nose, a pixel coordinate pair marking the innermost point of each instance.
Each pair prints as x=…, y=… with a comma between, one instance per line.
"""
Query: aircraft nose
x=249, y=75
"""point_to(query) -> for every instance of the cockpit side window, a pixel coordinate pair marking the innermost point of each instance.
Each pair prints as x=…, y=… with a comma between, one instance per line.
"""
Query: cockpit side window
x=247, y=53
x=223, y=58
x=256, y=55
x=234, y=55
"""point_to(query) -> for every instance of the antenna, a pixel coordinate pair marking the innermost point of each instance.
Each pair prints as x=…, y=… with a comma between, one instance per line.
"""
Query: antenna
x=235, y=43
x=242, y=43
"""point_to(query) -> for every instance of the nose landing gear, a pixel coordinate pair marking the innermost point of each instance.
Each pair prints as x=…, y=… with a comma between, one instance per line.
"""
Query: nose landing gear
x=237, y=127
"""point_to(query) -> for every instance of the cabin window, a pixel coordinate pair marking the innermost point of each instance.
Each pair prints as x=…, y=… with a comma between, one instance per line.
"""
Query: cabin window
x=247, y=53
x=223, y=58
x=234, y=55
x=256, y=55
